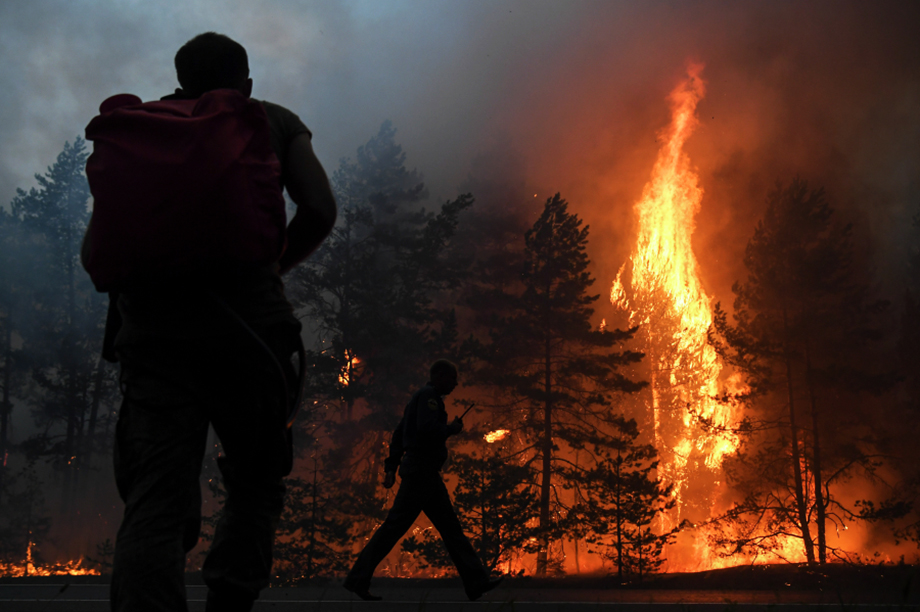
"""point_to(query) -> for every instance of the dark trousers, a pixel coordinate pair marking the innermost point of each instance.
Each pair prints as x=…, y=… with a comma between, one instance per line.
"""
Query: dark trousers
x=170, y=398
x=420, y=492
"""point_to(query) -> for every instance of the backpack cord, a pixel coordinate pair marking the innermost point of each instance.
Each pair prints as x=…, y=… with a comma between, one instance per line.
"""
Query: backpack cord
x=301, y=358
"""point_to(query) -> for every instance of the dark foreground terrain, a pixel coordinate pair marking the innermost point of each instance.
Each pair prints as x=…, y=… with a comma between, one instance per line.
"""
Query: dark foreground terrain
x=741, y=589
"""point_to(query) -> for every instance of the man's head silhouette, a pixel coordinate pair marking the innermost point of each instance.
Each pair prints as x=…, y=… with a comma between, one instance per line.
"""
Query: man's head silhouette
x=443, y=375
x=212, y=61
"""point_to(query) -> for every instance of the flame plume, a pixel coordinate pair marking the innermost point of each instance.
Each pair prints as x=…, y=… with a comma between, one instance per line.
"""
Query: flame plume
x=666, y=298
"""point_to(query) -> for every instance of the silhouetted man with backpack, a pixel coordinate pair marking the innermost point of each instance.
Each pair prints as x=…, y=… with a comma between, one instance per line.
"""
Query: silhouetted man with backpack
x=188, y=236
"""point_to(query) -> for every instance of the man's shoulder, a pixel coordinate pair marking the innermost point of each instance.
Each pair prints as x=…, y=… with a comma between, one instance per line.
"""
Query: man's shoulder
x=283, y=119
x=427, y=397
x=272, y=108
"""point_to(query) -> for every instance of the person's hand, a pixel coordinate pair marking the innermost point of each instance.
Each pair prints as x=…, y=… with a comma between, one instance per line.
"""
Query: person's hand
x=389, y=479
x=456, y=426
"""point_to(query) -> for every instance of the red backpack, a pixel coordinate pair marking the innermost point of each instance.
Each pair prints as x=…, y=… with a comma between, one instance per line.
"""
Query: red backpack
x=181, y=185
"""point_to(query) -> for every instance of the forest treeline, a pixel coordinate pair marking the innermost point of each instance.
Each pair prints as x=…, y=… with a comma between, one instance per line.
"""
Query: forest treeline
x=555, y=464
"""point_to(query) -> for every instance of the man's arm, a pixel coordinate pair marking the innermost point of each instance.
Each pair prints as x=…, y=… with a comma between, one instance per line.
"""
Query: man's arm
x=396, y=450
x=308, y=186
x=391, y=463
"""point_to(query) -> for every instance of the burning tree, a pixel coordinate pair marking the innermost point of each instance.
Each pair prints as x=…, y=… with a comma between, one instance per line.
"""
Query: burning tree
x=660, y=288
x=803, y=326
x=558, y=379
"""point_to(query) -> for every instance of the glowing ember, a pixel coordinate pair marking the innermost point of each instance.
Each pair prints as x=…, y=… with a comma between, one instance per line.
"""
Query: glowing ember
x=495, y=436
x=666, y=298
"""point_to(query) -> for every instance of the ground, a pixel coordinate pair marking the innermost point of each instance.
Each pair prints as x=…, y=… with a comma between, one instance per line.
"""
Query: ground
x=785, y=588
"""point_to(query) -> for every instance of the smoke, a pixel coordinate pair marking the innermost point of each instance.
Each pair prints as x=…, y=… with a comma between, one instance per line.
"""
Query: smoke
x=553, y=96
x=826, y=90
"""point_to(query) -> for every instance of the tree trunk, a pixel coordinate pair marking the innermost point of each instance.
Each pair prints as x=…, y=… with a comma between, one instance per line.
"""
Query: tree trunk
x=70, y=403
x=653, y=385
x=576, y=501
x=619, y=519
x=68, y=360
x=796, y=455
x=542, y=555
x=483, y=538
x=98, y=381
x=311, y=551
x=820, y=506
x=345, y=326
x=349, y=408
x=641, y=550
x=6, y=407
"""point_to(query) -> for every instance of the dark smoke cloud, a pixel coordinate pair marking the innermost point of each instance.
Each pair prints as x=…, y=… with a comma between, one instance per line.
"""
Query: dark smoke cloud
x=826, y=90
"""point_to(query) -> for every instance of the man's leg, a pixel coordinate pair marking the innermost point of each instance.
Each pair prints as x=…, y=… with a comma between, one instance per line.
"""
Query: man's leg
x=406, y=508
x=238, y=565
x=250, y=421
x=439, y=510
x=160, y=441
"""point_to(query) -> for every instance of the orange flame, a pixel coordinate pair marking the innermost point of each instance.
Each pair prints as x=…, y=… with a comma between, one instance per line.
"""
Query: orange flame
x=666, y=298
x=495, y=436
x=348, y=370
x=28, y=568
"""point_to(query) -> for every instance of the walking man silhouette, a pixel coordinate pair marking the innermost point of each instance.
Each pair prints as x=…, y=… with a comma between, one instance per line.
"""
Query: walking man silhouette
x=418, y=449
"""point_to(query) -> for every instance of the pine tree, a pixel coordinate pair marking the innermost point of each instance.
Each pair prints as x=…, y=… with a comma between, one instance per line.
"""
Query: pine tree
x=496, y=504
x=900, y=511
x=314, y=533
x=65, y=340
x=803, y=325
x=909, y=340
x=906, y=500
x=378, y=294
x=14, y=269
x=313, y=537
x=556, y=378
x=623, y=498
x=24, y=521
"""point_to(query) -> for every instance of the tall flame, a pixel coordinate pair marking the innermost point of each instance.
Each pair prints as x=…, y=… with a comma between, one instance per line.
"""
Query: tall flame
x=666, y=298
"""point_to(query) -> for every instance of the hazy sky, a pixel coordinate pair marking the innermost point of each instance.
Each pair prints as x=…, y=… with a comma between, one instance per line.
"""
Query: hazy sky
x=574, y=89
